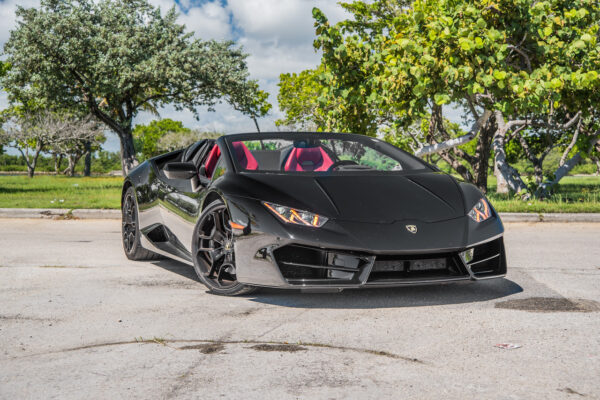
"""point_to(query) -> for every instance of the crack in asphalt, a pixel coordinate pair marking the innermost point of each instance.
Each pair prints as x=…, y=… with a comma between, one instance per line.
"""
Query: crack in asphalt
x=167, y=342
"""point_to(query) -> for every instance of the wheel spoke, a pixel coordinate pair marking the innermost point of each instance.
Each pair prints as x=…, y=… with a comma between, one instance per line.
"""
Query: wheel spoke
x=212, y=270
x=214, y=251
x=220, y=275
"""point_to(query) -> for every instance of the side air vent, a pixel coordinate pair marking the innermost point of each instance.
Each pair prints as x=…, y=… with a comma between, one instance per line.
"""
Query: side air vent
x=157, y=234
x=488, y=259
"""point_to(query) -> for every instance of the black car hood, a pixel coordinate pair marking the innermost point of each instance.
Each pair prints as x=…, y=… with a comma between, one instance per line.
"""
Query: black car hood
x=364, y=197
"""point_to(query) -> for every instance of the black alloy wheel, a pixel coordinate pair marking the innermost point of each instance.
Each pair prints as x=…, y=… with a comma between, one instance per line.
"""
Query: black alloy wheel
x=214, y=251
x=130, y=230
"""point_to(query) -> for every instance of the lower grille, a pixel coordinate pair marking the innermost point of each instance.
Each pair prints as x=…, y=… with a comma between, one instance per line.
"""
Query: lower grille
x=304, y=265
x=309, y=265
x=416, y=267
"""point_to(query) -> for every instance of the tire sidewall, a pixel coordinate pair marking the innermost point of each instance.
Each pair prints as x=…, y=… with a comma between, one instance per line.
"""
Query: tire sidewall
x=238, y=288
x=136, y=242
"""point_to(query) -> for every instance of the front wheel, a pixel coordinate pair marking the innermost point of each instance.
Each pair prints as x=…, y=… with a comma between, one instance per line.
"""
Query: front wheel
x=213, y=251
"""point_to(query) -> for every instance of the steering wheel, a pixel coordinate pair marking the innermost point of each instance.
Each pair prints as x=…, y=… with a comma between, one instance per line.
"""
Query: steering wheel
x=340, y=163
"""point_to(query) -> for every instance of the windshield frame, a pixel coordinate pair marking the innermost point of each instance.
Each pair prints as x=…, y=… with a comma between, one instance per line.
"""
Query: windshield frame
x=368, y=141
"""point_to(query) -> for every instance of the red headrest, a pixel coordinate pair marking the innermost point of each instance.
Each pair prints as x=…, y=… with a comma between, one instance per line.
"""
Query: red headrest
x=244, y=156
x=308, y=159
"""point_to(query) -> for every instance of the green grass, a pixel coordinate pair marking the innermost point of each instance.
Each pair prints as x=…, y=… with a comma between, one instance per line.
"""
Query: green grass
x=47, y=191
x=574, y=194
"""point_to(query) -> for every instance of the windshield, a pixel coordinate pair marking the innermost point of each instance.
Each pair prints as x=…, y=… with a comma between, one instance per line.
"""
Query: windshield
x=326, y=154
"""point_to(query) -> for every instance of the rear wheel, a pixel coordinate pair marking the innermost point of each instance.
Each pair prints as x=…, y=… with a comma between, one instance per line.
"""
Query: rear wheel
x=130, y=230
x=214, y=253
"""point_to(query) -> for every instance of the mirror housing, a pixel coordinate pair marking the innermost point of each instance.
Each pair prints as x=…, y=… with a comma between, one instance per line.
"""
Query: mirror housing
x=180, y=170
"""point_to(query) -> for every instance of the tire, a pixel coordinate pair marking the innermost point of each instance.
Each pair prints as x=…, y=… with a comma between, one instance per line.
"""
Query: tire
x=213, y=252
x=130, y=230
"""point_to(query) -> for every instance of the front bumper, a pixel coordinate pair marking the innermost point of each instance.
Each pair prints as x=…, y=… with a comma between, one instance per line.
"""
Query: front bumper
x=266, y=260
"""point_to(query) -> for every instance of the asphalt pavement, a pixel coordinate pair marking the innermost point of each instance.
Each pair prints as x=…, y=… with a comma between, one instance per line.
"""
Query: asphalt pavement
x=78, y=320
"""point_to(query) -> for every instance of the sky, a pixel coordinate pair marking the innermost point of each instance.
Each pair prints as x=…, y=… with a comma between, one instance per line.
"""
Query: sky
x=276, y=34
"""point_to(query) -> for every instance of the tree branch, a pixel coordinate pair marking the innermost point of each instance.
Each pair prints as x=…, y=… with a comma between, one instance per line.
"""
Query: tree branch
x=448, y=144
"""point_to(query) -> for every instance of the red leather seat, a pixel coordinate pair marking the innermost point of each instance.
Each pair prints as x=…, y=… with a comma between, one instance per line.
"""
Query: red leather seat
x=211, y=160
x=308, y=159
x=245, y=157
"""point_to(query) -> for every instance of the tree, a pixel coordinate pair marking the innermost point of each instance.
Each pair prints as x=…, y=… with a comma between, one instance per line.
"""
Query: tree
x=252, y=101
x=506, y=65
x=73, y=138
x=147, y=136
x=3, y=69
x=32, y=134
x=116, y=58
x=299, y=101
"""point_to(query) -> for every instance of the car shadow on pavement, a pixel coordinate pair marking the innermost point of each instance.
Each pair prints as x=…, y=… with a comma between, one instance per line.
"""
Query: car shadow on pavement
x=179, y=268
x=415, y=296
x=408, y=296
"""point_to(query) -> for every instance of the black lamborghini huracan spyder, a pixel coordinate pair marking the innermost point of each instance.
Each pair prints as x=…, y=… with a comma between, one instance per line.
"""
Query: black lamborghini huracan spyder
x=310, y=211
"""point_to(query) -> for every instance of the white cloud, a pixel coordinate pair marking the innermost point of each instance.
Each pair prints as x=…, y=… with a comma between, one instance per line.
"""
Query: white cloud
x=283, y=22
x=209, y=21
x=278, y=21
x=8, y=18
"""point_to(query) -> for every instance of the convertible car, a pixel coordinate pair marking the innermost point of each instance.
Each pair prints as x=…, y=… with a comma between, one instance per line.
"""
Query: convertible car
x=318, y=211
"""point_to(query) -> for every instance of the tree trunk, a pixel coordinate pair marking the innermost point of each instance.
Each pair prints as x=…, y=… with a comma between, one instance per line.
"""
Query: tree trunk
x=54, y=158
x=512, y=177
x=57, y=163
x=71, y=167
x=501, y=185
x=256, y=124
x=544, y=189
x=128, y=159
x=87, y=171
x=482, y=154
x=538, y=172
x=597, y=161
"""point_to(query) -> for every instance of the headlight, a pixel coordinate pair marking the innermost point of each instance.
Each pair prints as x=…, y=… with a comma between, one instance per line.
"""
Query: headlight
x=294, y=216
x=481, y=211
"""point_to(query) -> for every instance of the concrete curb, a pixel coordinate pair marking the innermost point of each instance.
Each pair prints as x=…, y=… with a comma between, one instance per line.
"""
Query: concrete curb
x=550, y=217
x=59, y=213
x=63, y=213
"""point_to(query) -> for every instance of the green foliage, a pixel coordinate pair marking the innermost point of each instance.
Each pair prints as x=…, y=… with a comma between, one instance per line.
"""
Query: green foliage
x=449, y=51
x=116, y=58
x=146, y=137
x=252, y=101
x=394, y=65
x=299, y=100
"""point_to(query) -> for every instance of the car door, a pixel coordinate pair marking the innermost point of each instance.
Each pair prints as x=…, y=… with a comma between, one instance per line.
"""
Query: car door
x=183, y=198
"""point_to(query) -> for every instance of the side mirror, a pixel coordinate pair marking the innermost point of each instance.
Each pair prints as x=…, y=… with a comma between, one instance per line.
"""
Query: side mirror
x=202, y=172
x=180, y=170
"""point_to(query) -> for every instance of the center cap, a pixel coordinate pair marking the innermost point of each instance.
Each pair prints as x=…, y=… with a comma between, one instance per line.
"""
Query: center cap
x=228, y=246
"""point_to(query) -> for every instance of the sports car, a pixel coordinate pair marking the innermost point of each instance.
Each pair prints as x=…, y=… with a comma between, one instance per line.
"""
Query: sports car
x=313, y=211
